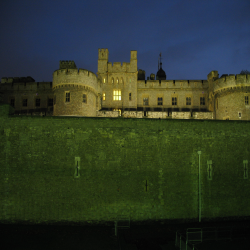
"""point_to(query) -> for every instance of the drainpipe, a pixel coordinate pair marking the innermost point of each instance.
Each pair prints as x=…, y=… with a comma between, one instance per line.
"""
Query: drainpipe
x=199, y=192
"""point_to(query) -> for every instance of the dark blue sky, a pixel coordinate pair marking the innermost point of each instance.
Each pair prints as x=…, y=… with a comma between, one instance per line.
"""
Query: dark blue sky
x=194, y=36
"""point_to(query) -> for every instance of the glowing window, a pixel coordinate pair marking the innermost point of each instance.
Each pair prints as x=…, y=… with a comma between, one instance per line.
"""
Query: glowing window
x=103, y=80
x=103, y=96
x=117, y=95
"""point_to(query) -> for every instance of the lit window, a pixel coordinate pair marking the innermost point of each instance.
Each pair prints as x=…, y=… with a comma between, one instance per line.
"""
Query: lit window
x=103, y=80
x=117, y=80
x=103, y=96
x=117, y=95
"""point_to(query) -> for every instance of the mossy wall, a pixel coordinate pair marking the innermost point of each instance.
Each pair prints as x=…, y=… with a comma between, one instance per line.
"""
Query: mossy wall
x=146, y=169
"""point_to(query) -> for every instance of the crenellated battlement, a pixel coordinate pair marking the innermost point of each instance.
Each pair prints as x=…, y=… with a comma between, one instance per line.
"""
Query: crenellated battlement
x=17, y=79
x=67, y=65
x=117, y=67
x=26, y=86
x=229, y=81
x=75, y=76
x=173, y=84
x=73, y=72
x=103, y=54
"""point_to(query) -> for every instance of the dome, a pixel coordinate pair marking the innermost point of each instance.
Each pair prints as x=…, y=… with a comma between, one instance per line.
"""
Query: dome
x=161, y=75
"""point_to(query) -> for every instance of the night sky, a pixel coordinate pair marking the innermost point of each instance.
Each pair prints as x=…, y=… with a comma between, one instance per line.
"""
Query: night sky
x=194, y=37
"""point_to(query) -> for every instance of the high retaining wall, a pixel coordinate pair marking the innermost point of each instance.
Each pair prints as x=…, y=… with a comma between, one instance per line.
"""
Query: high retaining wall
x=74, y=169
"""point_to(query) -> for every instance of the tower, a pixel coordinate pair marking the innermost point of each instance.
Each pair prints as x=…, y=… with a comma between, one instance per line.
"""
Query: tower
x=103, y=56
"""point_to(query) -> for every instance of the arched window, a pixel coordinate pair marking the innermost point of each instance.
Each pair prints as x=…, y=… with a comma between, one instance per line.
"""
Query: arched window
x=117, y=80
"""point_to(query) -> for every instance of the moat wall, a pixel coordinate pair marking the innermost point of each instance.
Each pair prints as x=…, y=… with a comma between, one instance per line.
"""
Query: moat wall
x=145, y=169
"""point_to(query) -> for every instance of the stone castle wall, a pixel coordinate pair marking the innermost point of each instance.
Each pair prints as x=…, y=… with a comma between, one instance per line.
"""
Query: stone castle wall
x=93, y=170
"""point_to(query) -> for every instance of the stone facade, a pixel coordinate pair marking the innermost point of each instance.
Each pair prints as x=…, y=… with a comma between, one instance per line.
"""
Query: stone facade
x=120, y=89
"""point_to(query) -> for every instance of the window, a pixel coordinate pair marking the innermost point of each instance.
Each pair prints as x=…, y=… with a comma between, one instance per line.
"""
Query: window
x=174, y=100
x=12, y=102
x=37, y=102
x=112, y=80
x=117, y=95
x=245, y=166
x=202, y=101
x=25, y=102
x=159, y=100
x=67, y=97
x=209, y=169
x=117, y=80
x=103, y=80
x=145, y=101
x=77, y=167
x=188, y=101
x=239, y=114
x=246, y=100
x=121, y=80
x=103, y=96
x=129, y=96
x=50, y=102
x=84, y=98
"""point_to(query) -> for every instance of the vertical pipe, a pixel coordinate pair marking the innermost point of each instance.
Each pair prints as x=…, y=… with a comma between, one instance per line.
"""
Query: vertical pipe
x=199, y=192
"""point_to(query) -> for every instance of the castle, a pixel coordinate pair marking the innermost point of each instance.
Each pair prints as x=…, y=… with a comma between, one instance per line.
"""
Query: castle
x=73, y=167
x=121, y=90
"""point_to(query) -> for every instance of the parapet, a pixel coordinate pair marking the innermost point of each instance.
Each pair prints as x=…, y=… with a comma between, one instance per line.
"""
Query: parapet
x=75, y=76
x=67, y=65
x=103, y=54
x=17, y=79
x=213, y=75
x=231, y=81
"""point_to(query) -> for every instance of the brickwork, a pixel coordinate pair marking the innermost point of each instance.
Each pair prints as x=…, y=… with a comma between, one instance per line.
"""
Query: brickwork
x=69, y=86
x=232, y=106
x=146, y=169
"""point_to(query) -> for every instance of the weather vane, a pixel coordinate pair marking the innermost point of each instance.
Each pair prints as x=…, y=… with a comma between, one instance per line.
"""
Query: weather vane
x=160, y=61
